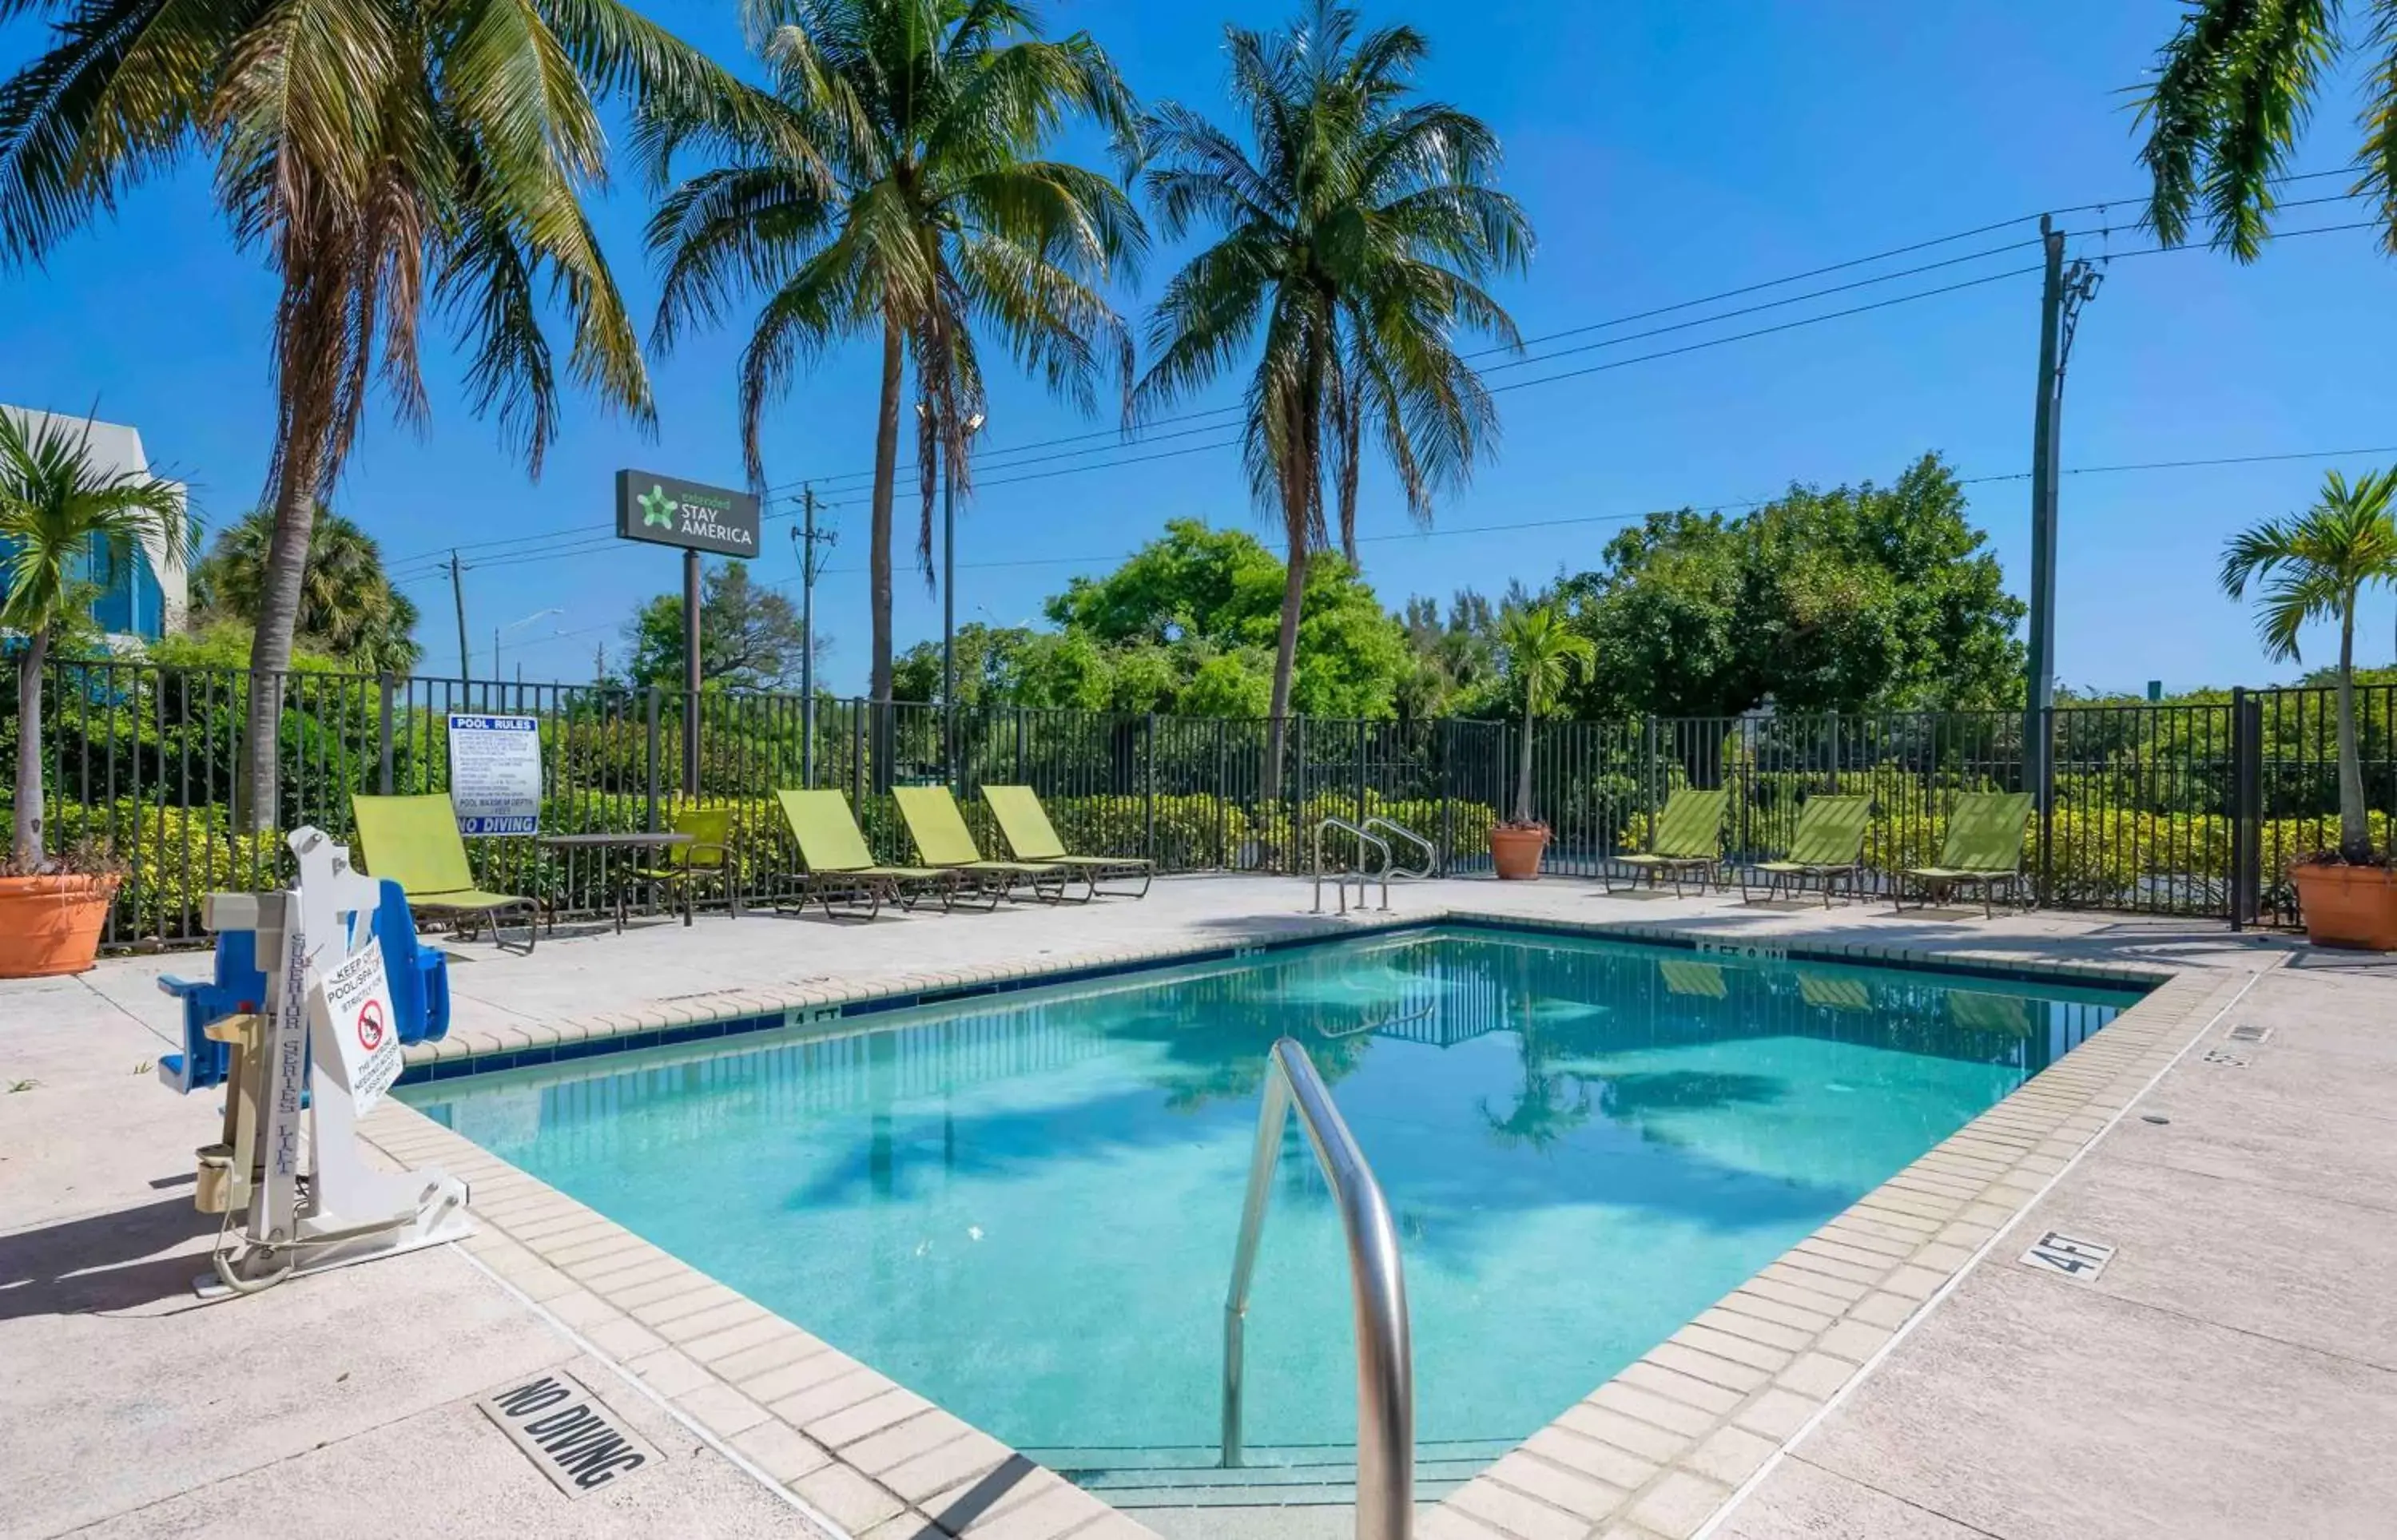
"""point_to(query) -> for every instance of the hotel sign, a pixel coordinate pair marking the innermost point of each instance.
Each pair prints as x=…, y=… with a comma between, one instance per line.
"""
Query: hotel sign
x=667, y=510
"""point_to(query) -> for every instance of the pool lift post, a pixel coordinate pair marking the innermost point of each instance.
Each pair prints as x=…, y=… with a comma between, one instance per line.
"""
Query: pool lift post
x=303, y=1025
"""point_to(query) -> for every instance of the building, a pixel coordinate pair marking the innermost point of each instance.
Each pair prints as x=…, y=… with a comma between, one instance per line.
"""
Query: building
x=137, y=600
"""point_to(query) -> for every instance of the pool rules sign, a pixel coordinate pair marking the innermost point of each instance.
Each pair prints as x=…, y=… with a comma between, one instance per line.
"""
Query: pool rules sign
x=495, y=773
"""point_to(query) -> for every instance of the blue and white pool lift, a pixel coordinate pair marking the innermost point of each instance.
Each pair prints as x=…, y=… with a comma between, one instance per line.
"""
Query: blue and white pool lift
x=266, y=1037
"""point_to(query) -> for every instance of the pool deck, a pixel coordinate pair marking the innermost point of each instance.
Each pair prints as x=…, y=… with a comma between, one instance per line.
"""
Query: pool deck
x=2232, y=1370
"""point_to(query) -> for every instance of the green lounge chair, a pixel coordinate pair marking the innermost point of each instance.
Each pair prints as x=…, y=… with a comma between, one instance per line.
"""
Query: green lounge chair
x=1688, y=842
x=414, y=842
x=841, y=873
x=944, y=842
x=1829, y=844
x=708, y=857
x=1983, y=850
x=1031, y=837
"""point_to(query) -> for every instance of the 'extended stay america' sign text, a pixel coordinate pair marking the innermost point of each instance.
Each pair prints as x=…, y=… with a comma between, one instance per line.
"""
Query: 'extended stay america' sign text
x=669, y=511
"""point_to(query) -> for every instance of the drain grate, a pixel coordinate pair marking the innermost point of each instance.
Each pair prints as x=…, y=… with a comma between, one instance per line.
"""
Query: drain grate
x=2249, y=1032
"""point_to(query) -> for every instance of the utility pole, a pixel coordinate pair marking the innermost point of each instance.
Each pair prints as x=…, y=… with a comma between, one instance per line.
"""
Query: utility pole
x=691, y=672
x=807, y=537
x=599, y=664
x=2063, y=291
x=458, y=591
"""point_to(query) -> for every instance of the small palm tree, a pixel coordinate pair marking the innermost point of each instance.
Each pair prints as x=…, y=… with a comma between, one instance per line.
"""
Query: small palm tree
x=56, y=505
x=346, y=600
x=931, y=211
x=2229, y=97
x=1356, y=227
x=2314, y=564
x=1541, y=652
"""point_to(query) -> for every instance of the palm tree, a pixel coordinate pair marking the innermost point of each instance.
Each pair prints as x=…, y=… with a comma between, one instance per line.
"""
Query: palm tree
x=1355, y=229
x=346, y=600
x=932, y=209
x=56, y=507
x=2317, y=563
x=2229, y=97
x=1540, y=655
x=378, y=153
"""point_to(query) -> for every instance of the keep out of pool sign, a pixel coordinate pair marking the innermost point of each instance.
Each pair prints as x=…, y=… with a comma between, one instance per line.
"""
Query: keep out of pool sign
x=353, y=1003
x=567, y=1432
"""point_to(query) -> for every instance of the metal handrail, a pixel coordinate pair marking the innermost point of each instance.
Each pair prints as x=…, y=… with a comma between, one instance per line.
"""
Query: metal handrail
x=1386, y=1396
x=1365, y=838
x=1431, y=856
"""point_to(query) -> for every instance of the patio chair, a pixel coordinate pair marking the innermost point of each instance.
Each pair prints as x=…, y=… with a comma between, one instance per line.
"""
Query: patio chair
x=1984, y=850
x=1829, y=844
x=944, y=842
x=841, y=874
x=1031, y=837
x=1688, y=841
x=682, y=869
x=414, y=842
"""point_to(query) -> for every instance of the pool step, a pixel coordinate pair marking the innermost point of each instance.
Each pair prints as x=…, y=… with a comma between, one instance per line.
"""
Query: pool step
x=1294, y=1476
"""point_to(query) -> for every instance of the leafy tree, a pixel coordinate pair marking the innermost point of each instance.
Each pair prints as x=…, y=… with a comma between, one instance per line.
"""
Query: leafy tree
x=1354, y=230
x=347, y=604
x=749, y=635
x=1855, y=598
x=893, y=184
x=1540, y=654
x=55, y=504
x=2312, y=567
x=1456, y=670
x=2229, y=97
x=379, y=153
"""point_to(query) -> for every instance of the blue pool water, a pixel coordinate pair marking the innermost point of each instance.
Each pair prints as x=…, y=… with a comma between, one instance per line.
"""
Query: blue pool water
x=1025, y=1207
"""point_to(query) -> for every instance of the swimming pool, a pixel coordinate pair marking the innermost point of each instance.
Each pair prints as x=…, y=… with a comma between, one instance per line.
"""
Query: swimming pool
x=1023, y=1206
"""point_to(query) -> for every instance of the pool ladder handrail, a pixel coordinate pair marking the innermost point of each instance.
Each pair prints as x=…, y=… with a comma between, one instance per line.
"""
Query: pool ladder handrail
x=1366, y=840
x=1430, y=855
x=1385, y=1397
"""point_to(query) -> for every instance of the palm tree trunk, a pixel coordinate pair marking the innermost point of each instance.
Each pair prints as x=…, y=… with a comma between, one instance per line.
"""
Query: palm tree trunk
x=884, y=734
x=26, y=847
x=2354, y=831
x=1523, y=777
x=260, y=795
x=1293, y=599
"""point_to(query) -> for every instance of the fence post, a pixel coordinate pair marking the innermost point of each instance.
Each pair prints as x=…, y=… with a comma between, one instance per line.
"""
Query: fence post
x=383, y=736
x=653, y=759
x=2246, y=789
x=857, y=757
x=1447, y=794
x=1148, y=787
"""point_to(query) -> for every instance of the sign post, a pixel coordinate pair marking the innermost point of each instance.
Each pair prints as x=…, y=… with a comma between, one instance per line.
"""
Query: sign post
x=669, y=511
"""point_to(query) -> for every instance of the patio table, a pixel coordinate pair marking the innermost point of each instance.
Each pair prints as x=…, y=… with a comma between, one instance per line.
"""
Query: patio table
x=605, y=843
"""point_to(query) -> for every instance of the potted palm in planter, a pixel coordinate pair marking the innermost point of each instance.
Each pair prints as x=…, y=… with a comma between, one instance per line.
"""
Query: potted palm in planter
x=1539, y=652
x=2311, y=567
x=56, y=506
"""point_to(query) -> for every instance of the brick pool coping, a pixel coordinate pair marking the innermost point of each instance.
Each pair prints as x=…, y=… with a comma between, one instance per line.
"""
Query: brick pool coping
x=1652, y=1454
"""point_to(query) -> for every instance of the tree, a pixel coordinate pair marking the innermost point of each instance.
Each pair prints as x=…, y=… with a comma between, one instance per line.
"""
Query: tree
x=379, y=153
x=2312, y=567
x=56, y=506
x=749, y=635
x=1356, y=226
x=1851, y=599
x=2230, y=96
x=931, y=210
x=347, y=604
x=1540, y=653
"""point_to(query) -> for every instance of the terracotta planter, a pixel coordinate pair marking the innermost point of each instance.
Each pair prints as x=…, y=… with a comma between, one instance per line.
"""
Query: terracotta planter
x=2347, y=906
x=51, y=924
x=1516, y=851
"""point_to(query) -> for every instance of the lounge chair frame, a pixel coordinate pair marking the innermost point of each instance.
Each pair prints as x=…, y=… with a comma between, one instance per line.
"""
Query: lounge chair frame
x=936, y=824
x=853, y=892
x=463, y=907
x=1975, y=814
x=1024, y=825
x=1670, y=866
x=1778, y=879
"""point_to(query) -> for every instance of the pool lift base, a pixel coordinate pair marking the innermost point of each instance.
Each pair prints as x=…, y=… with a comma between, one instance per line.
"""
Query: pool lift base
x=296, y=1199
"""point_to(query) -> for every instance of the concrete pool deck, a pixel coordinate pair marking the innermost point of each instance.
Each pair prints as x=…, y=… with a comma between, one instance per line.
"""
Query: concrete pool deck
x=2248, y=1220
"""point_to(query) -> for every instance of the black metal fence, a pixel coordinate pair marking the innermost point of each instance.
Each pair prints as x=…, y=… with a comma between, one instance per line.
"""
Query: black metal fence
x=2189, y=808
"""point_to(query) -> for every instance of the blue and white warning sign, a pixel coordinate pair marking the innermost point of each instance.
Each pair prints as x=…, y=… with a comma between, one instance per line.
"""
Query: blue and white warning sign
x=495, y=774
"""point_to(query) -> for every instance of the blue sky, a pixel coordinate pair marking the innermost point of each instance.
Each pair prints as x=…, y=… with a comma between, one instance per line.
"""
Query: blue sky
x=1665, y=150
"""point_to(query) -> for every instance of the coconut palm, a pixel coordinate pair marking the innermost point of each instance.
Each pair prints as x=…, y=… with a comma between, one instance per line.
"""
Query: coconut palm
x=2312, y=566
x=57, y=508
x=346, y=600
x=1355, y=228
x=1540, y=654
x=378, y=153
x=934, y=210
x=2229, y=97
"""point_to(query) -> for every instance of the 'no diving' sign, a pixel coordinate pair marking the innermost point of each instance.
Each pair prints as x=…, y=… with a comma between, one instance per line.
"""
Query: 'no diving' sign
x=567, y=1432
